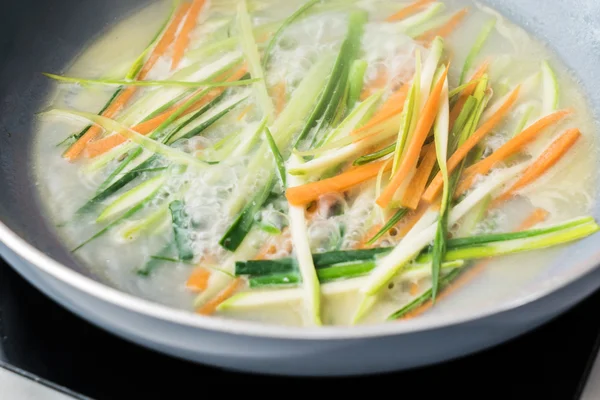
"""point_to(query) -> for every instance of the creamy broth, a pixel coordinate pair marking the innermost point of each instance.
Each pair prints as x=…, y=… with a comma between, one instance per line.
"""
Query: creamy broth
x=214, y=194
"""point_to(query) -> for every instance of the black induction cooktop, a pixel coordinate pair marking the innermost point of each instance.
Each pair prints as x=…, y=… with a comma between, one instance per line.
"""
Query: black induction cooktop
x=49, y=344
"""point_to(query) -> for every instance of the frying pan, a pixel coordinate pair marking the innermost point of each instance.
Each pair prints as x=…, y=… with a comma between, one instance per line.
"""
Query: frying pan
x=38, y=36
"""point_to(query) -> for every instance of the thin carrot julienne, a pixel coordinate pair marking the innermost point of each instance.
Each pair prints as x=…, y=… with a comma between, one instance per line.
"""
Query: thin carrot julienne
x=119, y=102
x=279, y=95
x=370, y=233
x=211, y=306
x=445, y=29
x=183, y=39
x=408, y=10
x=198, y=280
x=304, y=194
x=414, y=191
x=414, y=147
x=436, y=184
x=244, y=112
x=379, y=82
x=166, y=41
x=538, y=216
x=509, y=148
x=543, y=163
x=412, y=219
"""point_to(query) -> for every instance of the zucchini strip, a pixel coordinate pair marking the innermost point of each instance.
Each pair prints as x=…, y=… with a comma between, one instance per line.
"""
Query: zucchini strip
x=147, y=83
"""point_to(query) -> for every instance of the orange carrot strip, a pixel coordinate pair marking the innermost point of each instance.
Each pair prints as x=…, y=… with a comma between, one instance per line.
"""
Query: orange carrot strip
x=77, y=148
x=415, y=189
x=304, y=194
x=270, y=246
x=467, y=91
x=412, y=219
x=211, y=306
x=183, y=39
x=414, y=148
x=105, y=144
x=167, y=39
x=445, y=29
x=436, y=185
x=392, y=106
x=414, y=289
x=379, y=82
x=198, y=280
x=94, y=131
x=370, y=233
x=508, y=149
x=536, y=217
x=279, y=94
x=245, y=111
x=544, y=162
x=101, y=146
x=408, y=10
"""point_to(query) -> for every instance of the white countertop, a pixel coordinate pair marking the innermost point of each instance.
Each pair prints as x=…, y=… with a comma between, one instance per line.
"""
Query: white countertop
x=17, y=387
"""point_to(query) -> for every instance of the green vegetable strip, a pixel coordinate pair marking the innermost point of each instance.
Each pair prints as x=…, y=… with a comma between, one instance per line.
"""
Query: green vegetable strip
x=124, y=180
x=124, y=217
x=551, y=91
x=443, y=283
x=287, y=22
x=277, y=156
x=502, y=237
x=347, y=50
x=284, y=126
x=132, y=197
x=331, y=274
x=180, y=231
x=476, y=49
x=154, y=135
x=145, y=83
x=236, y=233
x=156, y=261
x=457, y=90
x=397, y=217
x=343, y=271
x=204, y=125
x=524, y=120
x=356, y=80
x=519, y=245
x=165, y=107
x=244, y=25
x=130, y=157
x=457, y=248
x=481, y=101
x=469, y=222
x=361, y=268
x=321, y=260
x=417, y=24
x=299, y=235
x=410, y=113
x=441, y=146
x=146, y=142
x=461, y=122
x=152, y=223
x=375, y=156
x=74, y=137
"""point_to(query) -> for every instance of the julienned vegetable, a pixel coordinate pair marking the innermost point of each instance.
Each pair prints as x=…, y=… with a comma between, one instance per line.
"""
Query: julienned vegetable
x=465, y=248
x=260, y=157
